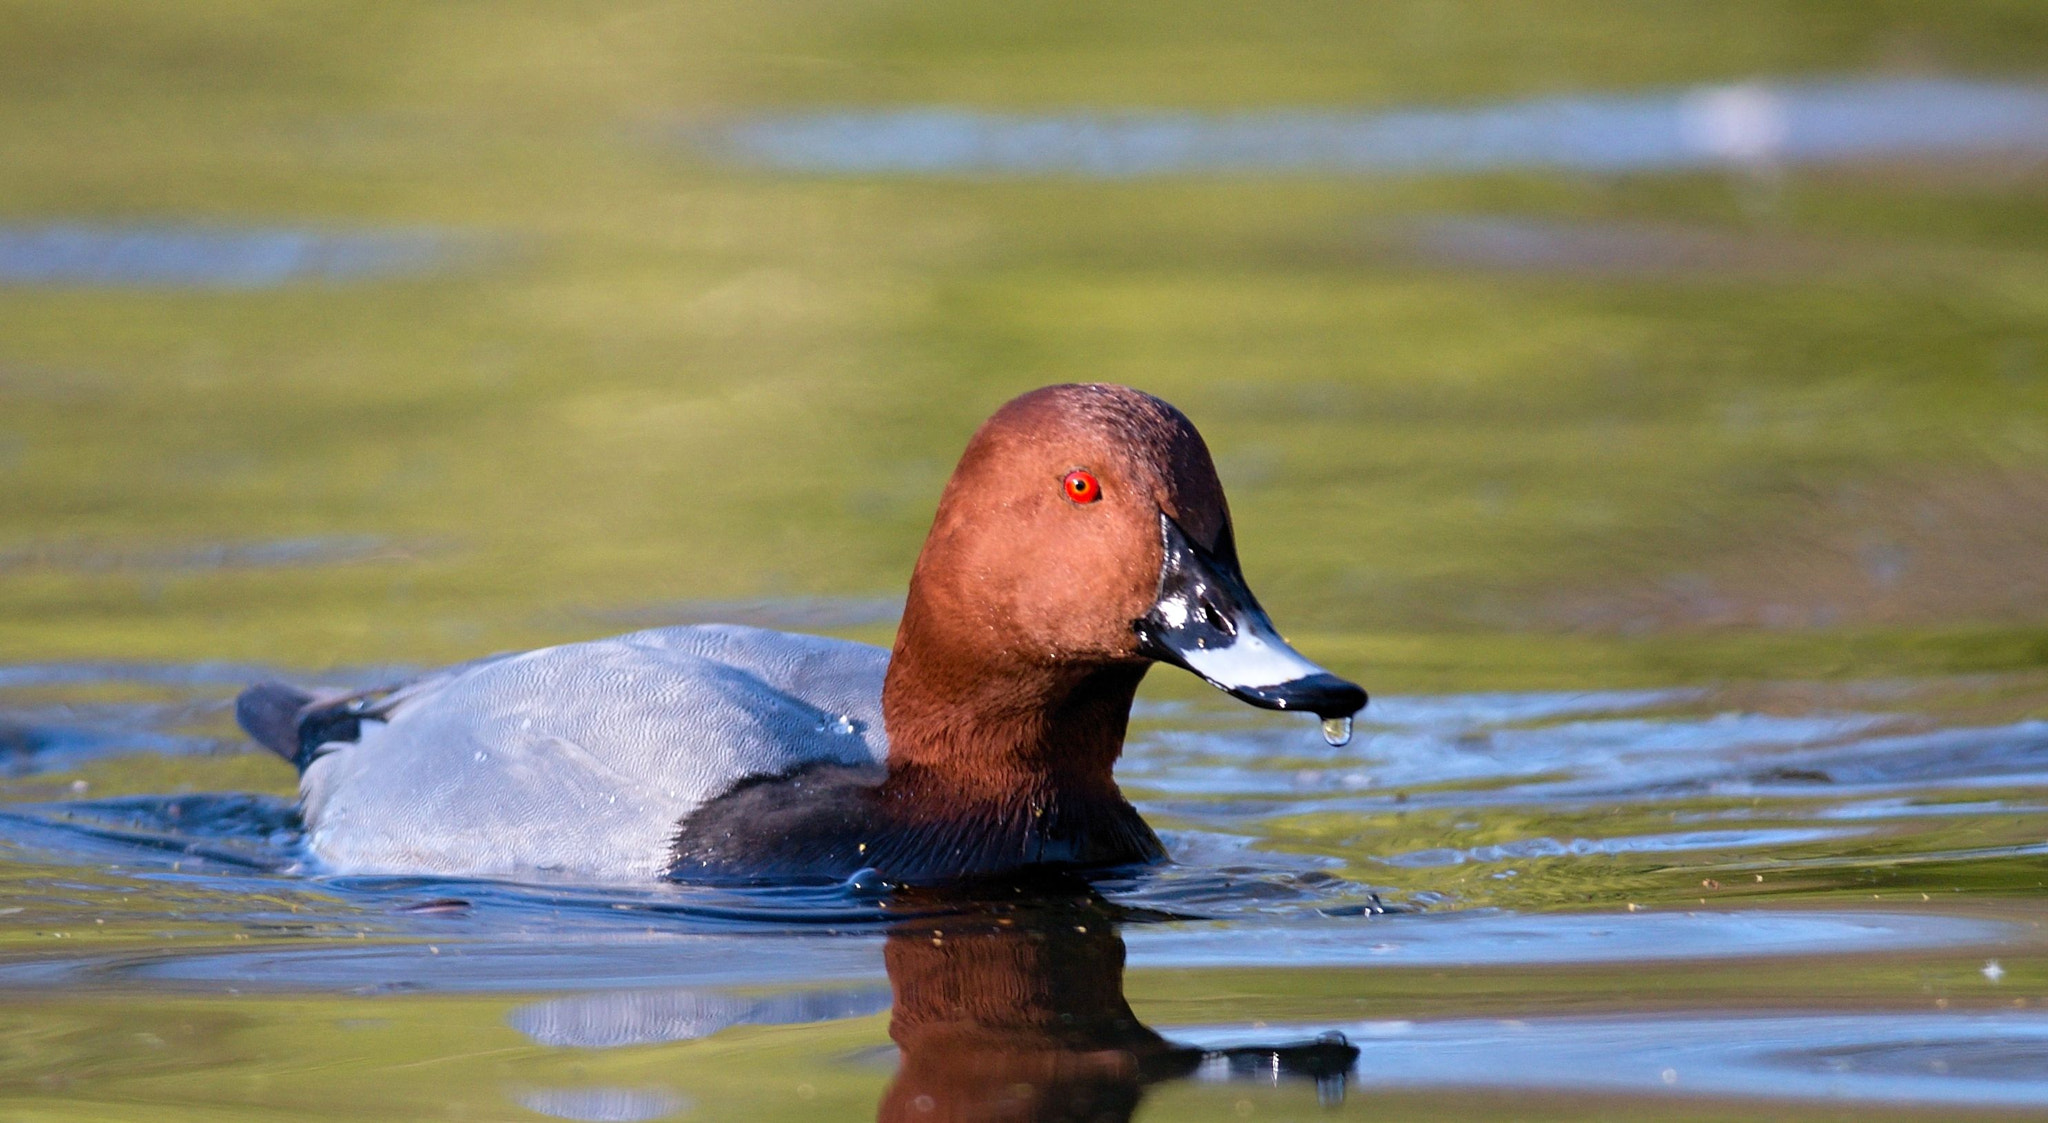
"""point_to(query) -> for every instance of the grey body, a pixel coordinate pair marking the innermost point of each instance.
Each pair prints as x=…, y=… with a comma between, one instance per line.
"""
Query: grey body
x=576, y=762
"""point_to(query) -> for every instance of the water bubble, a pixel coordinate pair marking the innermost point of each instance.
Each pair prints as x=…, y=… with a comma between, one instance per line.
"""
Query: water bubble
x=1337, y=731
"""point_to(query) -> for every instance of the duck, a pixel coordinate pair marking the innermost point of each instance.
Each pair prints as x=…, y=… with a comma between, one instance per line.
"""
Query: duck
x=1083, y=538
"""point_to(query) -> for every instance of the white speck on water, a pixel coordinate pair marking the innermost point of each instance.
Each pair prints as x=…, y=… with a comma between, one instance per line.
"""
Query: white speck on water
x=1993, y=971
x=1337, y=731
x=480, y=756
x=1745, y=124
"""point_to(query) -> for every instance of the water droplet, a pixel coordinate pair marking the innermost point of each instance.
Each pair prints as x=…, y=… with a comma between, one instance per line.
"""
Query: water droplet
x=844, y=725
x=1337, y=731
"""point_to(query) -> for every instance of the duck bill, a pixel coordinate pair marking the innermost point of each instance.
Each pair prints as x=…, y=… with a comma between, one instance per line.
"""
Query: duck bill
x=1207, y=621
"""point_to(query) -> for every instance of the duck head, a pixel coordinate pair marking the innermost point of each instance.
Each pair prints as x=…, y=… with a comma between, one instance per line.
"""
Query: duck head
x=1084, y=536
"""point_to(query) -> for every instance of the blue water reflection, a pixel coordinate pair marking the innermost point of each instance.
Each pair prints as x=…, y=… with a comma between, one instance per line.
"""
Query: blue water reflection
x=645, y=1017
x=168, y=256
x=604, y=1104
x=1704, y=127
x=1983, y=1059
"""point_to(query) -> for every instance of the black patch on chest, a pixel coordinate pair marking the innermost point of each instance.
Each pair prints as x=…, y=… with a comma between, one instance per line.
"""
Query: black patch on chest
x=817, y=821
x=830, y=821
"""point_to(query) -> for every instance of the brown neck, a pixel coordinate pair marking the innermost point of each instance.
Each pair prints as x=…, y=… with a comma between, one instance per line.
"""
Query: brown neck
x=969, y=727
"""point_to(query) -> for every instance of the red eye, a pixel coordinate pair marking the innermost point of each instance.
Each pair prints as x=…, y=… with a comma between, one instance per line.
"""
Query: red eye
x=1082, y=486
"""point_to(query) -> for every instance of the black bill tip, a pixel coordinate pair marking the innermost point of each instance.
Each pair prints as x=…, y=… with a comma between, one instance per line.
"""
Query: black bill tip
x=1322, y=694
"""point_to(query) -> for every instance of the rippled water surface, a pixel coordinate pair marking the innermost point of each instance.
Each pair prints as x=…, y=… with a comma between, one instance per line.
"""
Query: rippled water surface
x=1651, y=901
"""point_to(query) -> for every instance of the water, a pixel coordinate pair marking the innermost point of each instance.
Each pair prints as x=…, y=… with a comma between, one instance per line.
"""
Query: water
x=1711, y=370
x=1659, y=899
x=182, y=256
x=309, y=551
x=1743, y=125
x=1958, y=1061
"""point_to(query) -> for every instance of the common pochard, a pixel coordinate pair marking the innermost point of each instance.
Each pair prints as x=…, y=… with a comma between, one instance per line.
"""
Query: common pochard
x=1083, y=537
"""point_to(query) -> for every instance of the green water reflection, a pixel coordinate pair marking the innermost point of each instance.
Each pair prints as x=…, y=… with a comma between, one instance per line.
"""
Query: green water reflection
x=1818, y=441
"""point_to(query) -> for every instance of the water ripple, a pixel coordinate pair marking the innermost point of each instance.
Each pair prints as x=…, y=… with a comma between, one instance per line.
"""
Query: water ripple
x=1893, y=1057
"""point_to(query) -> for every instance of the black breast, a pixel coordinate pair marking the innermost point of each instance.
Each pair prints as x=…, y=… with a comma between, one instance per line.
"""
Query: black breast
x=830, y=821
x=818, y=821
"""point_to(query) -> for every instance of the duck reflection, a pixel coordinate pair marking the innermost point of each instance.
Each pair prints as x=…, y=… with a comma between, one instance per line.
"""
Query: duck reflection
x=1020, y=1015
x=1004, y=1006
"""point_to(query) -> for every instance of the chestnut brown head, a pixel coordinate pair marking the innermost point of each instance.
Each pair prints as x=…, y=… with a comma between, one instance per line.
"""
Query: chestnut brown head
x=1085, y=527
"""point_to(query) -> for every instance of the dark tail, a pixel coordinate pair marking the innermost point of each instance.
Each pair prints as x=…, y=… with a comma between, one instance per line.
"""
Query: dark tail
x=270, y=713
x=294, y=723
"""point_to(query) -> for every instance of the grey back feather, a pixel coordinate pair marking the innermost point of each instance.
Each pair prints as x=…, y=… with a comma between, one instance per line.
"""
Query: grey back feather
x=578, y=761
